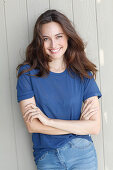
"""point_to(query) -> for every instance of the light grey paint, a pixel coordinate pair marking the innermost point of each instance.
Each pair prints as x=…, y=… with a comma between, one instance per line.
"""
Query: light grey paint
x=85, y=22
x=105, y=42
x=93, y=21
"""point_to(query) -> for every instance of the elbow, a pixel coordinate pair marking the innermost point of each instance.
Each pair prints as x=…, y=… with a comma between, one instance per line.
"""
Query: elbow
x=97, y=130
x=29, y=128
x=30, y=131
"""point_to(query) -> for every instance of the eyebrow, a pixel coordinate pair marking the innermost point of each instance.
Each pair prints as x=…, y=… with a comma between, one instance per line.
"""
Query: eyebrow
x=55, y=35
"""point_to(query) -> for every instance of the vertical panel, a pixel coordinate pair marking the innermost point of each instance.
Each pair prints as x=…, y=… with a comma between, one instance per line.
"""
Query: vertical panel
x=17, y=20
x=35, y=8
x=64, y=6
x=105, y=32
x=7, y=140
x=17, y=40
x=86, y=26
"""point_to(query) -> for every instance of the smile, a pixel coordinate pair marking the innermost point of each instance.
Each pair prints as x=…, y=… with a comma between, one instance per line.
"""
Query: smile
x=55, y=51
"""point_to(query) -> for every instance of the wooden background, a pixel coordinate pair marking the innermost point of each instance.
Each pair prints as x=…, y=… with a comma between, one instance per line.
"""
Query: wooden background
x=93, y=21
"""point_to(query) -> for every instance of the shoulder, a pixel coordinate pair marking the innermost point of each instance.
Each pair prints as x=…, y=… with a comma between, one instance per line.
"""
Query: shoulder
x=26, y=67
x=90, y=74
x=86, y=79
x=77, y=76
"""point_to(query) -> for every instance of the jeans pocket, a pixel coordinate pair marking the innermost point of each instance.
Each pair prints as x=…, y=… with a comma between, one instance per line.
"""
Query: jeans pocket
x=43, y=156
x=80, y=143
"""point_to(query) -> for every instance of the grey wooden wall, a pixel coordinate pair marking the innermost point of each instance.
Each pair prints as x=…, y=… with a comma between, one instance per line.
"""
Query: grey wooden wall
x=93, y=21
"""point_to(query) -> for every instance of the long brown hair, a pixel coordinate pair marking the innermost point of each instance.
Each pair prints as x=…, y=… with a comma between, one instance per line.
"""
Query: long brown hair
x=75, y=56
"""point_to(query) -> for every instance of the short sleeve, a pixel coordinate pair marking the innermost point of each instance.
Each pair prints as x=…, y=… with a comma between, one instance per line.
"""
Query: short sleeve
x=24, y=86
x=90, y=88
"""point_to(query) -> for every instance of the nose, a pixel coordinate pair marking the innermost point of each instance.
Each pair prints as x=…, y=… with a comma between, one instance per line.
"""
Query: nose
x=53, y=43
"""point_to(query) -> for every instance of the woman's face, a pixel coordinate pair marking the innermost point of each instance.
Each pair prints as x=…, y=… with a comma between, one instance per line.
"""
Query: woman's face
x=55, y=40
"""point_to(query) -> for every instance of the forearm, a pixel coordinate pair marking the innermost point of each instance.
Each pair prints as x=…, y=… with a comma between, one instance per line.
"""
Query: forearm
x=37, y=127
x=79, y=127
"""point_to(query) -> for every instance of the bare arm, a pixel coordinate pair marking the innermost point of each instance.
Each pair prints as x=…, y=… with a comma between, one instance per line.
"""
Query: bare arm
x=36, y=126
x=81, y=127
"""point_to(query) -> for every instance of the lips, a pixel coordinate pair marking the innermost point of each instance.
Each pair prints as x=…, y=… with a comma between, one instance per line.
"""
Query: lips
x=54, y=51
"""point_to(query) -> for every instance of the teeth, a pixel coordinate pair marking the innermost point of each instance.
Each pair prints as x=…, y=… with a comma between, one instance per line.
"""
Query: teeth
x=55, y=50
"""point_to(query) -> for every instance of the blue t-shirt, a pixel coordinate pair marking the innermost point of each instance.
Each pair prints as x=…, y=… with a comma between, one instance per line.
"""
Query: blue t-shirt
x=59, y=96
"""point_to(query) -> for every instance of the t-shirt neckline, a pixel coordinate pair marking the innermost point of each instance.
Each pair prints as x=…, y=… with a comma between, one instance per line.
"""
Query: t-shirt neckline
x=58, y=74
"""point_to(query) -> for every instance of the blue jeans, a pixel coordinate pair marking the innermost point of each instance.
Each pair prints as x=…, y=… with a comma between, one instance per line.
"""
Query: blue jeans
x=77, y=154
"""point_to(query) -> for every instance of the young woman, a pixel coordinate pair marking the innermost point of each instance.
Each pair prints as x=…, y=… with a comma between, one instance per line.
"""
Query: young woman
x=58, y=96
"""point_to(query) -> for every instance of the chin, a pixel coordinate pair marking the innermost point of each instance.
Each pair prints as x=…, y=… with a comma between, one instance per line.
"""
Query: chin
x=56, y=56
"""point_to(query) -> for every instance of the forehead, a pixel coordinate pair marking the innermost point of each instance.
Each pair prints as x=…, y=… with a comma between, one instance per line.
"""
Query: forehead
x=51, y=28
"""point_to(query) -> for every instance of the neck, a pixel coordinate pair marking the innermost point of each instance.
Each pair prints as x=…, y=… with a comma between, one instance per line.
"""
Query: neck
x=57, y=65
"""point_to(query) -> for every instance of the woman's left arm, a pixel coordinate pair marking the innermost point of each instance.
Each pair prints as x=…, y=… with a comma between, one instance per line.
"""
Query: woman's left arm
x=82, y=126
x=89, y=122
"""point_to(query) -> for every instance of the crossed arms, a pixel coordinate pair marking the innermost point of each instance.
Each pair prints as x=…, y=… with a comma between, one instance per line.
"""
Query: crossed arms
x=89, y=122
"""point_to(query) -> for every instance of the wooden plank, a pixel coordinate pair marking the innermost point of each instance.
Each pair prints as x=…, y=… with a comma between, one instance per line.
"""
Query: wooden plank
x=17, y=40
x=16, y=32
x=85, y=23
x=35, y=8
x=105, y=36
x=8, y=158
x=19, y=31
x=64, y=6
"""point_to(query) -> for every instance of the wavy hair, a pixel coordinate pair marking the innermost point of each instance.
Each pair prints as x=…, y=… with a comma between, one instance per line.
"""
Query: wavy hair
x=75, y=56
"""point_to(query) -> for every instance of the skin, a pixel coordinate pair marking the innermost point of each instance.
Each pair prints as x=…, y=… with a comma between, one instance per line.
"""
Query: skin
x=89, y=122
x=35, y=119
x=89, y=109
x=55, y=38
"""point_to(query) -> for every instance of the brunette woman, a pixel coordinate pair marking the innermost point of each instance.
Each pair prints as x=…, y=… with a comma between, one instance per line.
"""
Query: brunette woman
x=58, y=96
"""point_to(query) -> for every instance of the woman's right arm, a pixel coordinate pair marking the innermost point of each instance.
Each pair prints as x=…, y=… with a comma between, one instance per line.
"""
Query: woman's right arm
x=36, y=126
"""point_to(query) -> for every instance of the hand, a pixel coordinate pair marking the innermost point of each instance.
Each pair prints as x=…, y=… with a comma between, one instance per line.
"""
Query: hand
x=89, y=108
x=34, y=112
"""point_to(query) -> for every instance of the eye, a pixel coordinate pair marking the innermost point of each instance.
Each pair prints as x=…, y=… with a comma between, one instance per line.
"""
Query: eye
x=45, y=39
x=59, y=36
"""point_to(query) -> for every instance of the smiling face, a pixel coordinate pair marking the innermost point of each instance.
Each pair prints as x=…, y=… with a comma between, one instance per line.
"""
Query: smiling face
x=55, y=40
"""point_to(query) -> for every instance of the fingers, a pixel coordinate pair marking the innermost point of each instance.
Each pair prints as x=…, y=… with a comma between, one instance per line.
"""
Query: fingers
x=31, y=105
x=90, y=108
x=90, y=114
x=90, y=102
x=31, y=116
x=85, y=105
x=87, y=112
x=34, y=112
x=84, y=118
x=29, y=111
x=87, y=117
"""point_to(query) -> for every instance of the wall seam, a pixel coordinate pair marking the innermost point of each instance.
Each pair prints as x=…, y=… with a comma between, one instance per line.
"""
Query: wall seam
x=73, y=14
x=99, y=76
x=49, y=4
x=10, y=85
x=27, y=21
